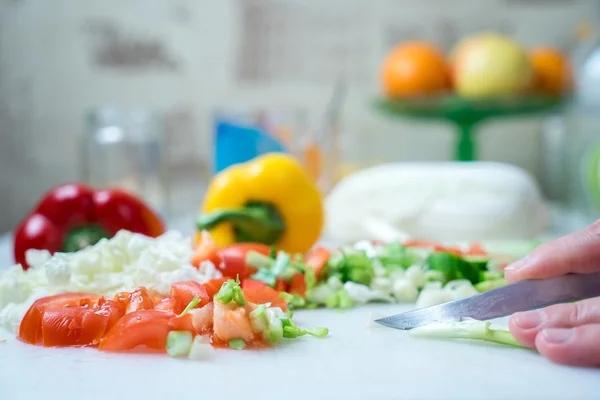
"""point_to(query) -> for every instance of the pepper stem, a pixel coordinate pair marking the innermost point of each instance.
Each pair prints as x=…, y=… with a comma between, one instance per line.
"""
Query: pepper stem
x=84, y=236
x=254, y=222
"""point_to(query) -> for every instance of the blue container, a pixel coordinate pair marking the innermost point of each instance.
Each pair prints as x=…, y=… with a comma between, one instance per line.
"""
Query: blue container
x=235, y=142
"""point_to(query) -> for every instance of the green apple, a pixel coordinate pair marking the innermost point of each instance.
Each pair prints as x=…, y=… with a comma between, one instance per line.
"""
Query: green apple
x=490, y=65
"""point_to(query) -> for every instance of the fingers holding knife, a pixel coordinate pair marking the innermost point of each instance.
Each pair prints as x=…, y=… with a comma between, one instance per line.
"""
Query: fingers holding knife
x=564, y=333
x=578, y=252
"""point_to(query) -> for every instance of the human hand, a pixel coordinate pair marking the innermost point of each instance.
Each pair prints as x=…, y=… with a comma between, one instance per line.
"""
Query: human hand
x=564, y=333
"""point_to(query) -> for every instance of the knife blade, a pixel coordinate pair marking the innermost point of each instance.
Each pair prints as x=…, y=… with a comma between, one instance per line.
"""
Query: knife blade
x=496, y=303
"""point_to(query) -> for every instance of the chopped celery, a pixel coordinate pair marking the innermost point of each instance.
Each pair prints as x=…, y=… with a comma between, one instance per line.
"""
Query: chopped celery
x=195, y=301
x=492, y=275
x=237, y=344
x=491, y=284
x=258, y=260
x=179, y=343
x=231, y=291
x=472, y=329
x=274, y=332
x=269, y=270
x=339, y=299
x=310, y=279
x=354, y=266
x=293, y=300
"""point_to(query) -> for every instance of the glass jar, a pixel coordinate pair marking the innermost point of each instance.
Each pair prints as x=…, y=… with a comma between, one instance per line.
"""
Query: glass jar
x=125, y=149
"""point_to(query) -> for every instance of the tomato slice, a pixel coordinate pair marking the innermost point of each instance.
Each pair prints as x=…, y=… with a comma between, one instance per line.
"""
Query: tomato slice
x=182, y=323
x=265, y=294
x=252, y=284
x=213, y=286
x=317, y=260
x=169, y=304
x=432, y=245
x=185, y=292
x=298, y=285
x=30, y=329
x=145, y=328
x=72, y=326
x=206, y=251
x=138, y=300
x=476, y=249
x=234, y=259
x=281, y=285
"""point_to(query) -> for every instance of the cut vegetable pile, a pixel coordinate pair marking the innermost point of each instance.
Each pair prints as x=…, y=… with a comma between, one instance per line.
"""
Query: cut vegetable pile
x=132, y=291
x=413, y=271
x=187, y=322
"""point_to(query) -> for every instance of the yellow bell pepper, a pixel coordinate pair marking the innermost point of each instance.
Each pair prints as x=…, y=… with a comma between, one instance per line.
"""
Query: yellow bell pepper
x=269, y=199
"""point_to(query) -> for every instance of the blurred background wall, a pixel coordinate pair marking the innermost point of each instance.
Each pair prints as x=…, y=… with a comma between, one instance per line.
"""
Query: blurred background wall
x=61, y=58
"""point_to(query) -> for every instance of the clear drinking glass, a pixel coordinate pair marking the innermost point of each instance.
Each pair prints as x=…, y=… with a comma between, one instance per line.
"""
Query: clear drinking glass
x=125, y=149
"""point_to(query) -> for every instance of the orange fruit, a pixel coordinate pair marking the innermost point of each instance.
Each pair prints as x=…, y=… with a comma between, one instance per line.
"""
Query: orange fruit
x=414, y=69
x=552, y=71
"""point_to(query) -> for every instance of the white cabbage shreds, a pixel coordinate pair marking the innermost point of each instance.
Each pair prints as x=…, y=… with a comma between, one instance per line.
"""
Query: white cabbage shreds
x=121, y=263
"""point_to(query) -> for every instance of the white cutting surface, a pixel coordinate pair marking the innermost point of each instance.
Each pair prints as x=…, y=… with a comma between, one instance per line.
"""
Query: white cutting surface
x=354, y=362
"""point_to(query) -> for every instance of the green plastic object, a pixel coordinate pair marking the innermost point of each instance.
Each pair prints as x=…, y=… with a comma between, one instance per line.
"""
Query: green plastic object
x=467, y=114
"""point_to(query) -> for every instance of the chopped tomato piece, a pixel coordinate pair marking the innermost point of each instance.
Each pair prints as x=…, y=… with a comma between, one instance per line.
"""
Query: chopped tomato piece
x=265, y=294
x=182, y=323
x=476, y=249
x=432, y=245
x=213, y=286
x=146, y=328
x=281, y=285
x=112, y=309
x=317, y=260
x=298, y=285
x=253, y=284
x=73, y=326
x=138, y=300
x=185, y=292
x=234, y=259
x=30, y=329
x=206, y=251
x=169, y=304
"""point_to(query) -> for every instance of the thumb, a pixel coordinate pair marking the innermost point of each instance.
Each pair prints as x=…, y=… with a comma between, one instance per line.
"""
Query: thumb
x=578, y=252
x=571, y=346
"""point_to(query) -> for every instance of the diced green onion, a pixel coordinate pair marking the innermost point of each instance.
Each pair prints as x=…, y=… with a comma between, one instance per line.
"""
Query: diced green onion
x=237, y=344
x=195, y=301
x=179, y=343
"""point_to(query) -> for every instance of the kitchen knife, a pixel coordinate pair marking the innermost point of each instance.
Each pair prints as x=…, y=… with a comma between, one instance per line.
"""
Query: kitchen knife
x=496, y=303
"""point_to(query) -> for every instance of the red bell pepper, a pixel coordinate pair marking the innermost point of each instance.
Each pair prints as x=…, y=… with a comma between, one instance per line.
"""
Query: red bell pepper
x=73, y=216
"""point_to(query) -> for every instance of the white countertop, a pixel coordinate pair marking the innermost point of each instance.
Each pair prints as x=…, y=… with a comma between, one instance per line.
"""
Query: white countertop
x=352, y=363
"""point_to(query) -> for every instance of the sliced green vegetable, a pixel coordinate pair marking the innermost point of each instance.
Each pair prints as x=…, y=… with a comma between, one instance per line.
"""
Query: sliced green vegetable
x=492, y=284
x=293, y=300
x=237, y=344
x=479, y=261
x=231, y=291
x=291, y=331
x=195, y=301
x=339, y=299
x=477, y=330
x=492, y=275
x=179, y=343
x=453, y=267
x=270, y=269
x=353, y=266
x=258, y=260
